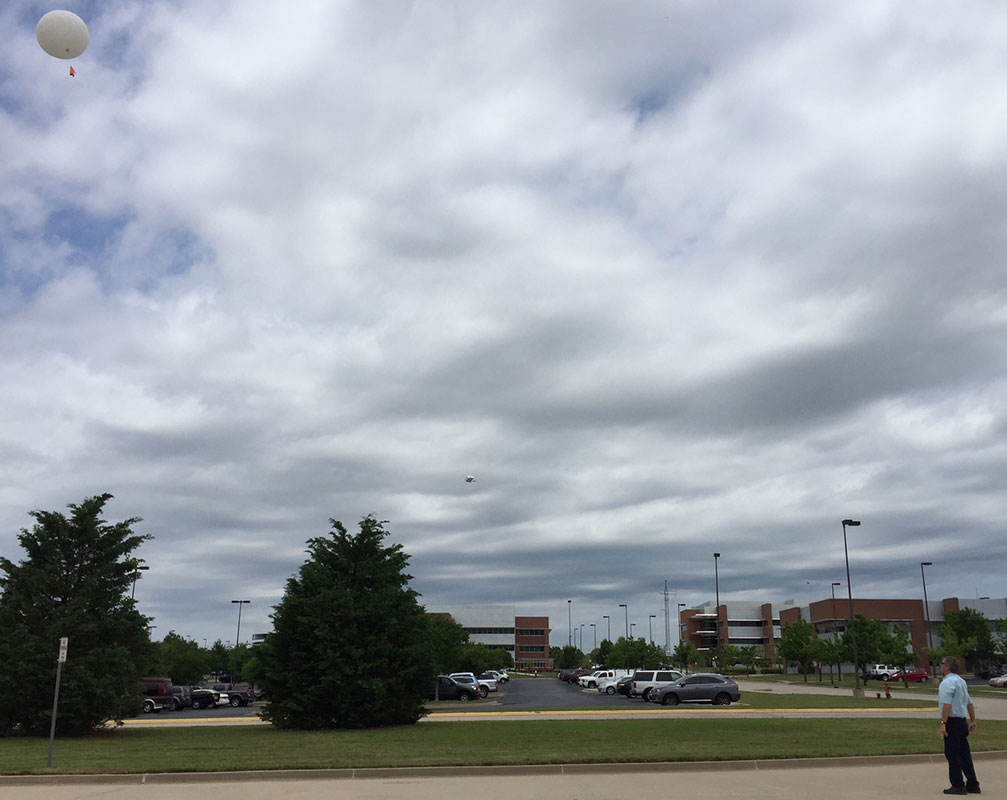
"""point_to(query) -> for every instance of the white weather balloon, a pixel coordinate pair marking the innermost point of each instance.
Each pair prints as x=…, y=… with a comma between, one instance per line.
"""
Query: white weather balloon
x=62, y=34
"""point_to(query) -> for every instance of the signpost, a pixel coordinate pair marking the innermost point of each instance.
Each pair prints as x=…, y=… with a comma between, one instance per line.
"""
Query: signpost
x=55, y=697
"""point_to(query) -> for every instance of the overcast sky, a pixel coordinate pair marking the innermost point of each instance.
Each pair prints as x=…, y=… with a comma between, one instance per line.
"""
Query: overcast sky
x=668, y=279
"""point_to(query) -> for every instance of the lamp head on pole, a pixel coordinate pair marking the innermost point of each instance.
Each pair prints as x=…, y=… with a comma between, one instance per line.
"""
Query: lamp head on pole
x=853, y=523
x=926, y=563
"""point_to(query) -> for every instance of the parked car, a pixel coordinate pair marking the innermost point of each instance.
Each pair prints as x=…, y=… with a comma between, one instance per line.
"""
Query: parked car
x=500, y=675
x=611, y=685
x=157, y=695
x=471, y=681
x=183, y=697
x=565, y=673
x=204, y=698
x=221, y=690
x=881, y=672
x=624, y=686
x=700, y=687
x=1000, y=681
x=448, y=688
x=646, y=680
x=910, y=675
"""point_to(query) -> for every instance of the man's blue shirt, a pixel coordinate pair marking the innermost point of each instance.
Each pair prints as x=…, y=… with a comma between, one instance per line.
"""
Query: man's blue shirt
x=954, y=692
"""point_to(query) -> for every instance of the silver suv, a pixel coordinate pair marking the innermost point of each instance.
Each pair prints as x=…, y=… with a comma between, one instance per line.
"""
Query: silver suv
x=646, y=680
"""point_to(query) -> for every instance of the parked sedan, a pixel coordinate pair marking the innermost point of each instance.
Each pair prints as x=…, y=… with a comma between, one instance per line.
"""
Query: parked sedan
x=910, y=675
x=700, y=687
x=624, y=686
x=1000, y=681
x=450, y=689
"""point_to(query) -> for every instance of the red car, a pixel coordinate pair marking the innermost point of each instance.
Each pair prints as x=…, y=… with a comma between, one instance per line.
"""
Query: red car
x=912, y=675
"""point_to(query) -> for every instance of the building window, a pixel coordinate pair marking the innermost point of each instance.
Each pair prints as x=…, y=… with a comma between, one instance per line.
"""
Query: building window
x=531, y=648
x=531, y=632
x=491, y=630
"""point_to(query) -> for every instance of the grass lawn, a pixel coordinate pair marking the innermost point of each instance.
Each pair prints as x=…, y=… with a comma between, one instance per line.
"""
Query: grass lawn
x=192, y=749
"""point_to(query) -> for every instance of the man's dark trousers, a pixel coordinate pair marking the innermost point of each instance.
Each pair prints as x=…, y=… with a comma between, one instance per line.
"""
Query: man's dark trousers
x=958, y=753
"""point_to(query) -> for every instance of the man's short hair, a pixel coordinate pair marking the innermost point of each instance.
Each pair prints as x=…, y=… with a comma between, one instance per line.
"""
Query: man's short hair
x=951, y=663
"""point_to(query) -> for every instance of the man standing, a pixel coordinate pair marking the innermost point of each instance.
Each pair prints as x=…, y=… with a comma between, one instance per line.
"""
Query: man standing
x=958, y=719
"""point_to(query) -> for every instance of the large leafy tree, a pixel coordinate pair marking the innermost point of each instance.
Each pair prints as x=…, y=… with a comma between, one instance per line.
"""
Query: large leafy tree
x=348, y=648
x=446, y=640
x=182, y=660
x=970, y=625
x=795, y=646
x=74, y=581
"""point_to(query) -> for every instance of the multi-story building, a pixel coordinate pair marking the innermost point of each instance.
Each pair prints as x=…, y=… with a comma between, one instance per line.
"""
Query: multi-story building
x=500, y=628
x=760, y=624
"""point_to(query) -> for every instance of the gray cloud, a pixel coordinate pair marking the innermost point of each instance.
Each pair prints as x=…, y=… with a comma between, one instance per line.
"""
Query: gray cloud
x=668, y=281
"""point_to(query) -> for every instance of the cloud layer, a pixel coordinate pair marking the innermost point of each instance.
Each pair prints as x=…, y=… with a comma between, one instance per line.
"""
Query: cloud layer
x=668, y=280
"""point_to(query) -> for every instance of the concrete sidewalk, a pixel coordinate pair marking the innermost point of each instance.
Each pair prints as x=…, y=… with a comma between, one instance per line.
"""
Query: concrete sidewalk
x=893, y=778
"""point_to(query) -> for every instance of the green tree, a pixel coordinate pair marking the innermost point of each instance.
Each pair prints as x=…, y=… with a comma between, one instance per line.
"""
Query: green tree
x=684, y=655
x=896, y=650
x=219, y=657
x=569, y=657
x=725, y=656
x=749, y=657
x=240, y=663
x=182, y=660
x=348, y=648
x=969, y=625
x=74, y=581
x=446, y=640
x=795, y=645
x=872, y=643
x=635, y=654
x=603, y=654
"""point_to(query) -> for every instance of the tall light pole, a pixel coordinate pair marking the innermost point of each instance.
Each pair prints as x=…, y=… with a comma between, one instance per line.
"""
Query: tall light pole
x=650, y=623
x=835, y=619
x=680, y=607
x=595, y=636
x=582, y=636
x=716, y=583
x=631, y=631
x=606, y=616
x=926, y=613
x=569, y=622
x=139, y=567
x=237, y=636
x=626, y=606
x=853, y=523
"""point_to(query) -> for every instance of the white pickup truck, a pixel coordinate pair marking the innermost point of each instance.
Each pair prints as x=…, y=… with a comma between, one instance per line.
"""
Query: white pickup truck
x=591, y=680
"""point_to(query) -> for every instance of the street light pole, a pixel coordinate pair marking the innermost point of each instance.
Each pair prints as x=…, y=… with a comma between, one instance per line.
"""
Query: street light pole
x=926, y=613
x=569, y=622
x=857, y=691
x=595, y=635
x=626, y=606
x=631, y=631
x=716, y=581
x=139, y=567
x=237, y=636
x=650, y=624
x=680, y=607
x=582, y=636
x=606, y=616
x=835, y=619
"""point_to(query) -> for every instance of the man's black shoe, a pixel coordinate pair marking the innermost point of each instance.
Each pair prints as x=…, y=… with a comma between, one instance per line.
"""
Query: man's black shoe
x=973, y=789
x=956, y=790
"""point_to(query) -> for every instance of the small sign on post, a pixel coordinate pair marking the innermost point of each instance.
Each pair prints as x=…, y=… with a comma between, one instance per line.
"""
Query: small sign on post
x=60, y=659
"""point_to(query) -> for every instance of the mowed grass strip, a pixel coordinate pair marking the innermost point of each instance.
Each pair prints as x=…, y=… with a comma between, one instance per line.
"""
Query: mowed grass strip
x=196, y=749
